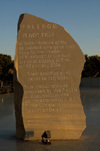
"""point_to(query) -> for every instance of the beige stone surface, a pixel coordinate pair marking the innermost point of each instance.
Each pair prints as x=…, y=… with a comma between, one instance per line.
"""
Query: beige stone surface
x=48, y=66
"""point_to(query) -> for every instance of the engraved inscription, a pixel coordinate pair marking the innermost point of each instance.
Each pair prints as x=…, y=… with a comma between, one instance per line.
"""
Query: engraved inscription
x=48, y=65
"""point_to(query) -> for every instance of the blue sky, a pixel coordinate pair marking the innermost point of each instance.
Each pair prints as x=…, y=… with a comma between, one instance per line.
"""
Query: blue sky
x=81, y=18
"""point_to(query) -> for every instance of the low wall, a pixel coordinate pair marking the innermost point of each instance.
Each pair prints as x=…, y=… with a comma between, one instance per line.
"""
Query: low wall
x=90, y=82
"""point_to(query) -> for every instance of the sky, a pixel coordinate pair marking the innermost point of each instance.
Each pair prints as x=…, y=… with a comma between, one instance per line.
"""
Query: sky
x=81, y=18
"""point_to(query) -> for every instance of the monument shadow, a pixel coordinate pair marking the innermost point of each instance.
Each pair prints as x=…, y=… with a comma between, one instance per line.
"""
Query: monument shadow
x=18, y=95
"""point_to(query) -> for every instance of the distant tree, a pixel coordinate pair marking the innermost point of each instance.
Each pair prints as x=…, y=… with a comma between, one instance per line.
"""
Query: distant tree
x=6, y=66
x=91, y=66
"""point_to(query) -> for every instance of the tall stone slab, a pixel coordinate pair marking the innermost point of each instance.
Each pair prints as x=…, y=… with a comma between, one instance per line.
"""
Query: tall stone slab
x=48, y=66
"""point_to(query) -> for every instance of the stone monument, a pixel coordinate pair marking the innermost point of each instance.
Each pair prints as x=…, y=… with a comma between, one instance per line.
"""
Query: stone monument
x=48, y=66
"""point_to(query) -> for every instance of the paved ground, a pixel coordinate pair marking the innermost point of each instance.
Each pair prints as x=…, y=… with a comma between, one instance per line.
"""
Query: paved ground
x=89, y=141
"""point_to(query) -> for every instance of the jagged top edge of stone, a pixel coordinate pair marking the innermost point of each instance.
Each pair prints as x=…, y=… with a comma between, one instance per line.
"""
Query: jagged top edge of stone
x=21, y=16
x=26, y=14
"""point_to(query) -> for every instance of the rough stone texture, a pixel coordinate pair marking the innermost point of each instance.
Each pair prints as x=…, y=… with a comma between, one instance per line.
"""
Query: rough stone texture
x=48, y=66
